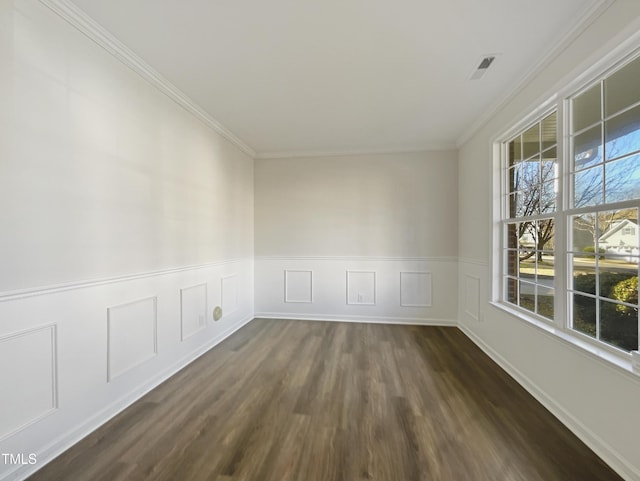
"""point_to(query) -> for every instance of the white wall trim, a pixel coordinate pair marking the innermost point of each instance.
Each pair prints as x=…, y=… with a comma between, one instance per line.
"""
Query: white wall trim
x=68, y=439
x=94, y=31
x=591, y=439
x=596, y=9
x=301, y=154
x=620, y=49
x=54, y=373
x=475, y=262
x=418, y=321
x=357, y=258
x=69, y=286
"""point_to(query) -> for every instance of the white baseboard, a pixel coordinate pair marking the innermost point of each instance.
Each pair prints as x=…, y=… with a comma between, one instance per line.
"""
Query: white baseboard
x=361, y=319
x=66, y=440
x=620, y=465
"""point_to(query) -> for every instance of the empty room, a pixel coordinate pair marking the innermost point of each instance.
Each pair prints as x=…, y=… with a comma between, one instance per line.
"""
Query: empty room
x=319, y=241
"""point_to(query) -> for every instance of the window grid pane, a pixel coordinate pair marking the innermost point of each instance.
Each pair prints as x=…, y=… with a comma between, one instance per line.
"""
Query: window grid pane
x=621, y=88
x=587, y=108
x=530, y=265
x=622, y=134
x=603, y=263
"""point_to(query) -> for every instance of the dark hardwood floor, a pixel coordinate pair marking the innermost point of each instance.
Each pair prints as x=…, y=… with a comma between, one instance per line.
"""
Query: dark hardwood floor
x=315, y=401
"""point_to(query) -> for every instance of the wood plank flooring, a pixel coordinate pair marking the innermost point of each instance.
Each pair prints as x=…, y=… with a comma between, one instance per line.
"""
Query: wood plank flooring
x=314, y=401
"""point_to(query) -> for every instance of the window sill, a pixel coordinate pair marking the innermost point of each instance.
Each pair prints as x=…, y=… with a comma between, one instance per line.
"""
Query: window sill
x=621, y=362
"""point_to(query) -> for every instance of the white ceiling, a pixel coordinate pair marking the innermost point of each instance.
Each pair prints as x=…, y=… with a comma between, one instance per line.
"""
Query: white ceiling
x=296, y=76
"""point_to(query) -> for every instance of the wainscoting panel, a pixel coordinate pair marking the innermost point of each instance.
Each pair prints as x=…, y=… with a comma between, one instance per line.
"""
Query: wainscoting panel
x=360, y=289
x=472, y=297
x=472, y=291
x=193, y=307
x=29, y=384
x=108, y=342
x=298, y=286
x=415, y=289
x=131, y=335
x=229, y=289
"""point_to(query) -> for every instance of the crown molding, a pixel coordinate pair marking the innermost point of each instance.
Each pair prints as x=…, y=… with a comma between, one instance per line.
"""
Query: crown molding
x=343, y=153
x=596, y=9
x=624, y=45
x=77, y=18
x=94, y=31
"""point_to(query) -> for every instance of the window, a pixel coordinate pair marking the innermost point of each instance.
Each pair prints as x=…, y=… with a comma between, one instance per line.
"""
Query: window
x=531, y=199
x=571, y=258
x=605, y=188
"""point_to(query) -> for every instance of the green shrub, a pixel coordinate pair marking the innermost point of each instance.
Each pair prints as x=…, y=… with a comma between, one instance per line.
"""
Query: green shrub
x=626, y=291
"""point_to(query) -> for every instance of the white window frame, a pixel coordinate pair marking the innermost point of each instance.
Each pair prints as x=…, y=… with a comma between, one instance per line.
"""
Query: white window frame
x=558, y=100
x=545, y=110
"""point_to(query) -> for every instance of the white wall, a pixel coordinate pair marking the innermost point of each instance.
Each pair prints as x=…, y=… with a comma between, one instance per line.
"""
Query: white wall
x=125, y=220
x=597, y=401
x=362, y=237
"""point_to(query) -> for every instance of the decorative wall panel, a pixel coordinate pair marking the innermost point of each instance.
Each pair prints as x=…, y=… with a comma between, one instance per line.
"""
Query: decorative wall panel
x=298, y=286
x=361, y=288
x=229, y=289
x=415, y=289
x=193, y=310
x=29, y=381
x=131, y=339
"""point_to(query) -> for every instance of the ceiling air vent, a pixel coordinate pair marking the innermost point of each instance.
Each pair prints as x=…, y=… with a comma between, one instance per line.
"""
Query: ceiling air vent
x=482, y=67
